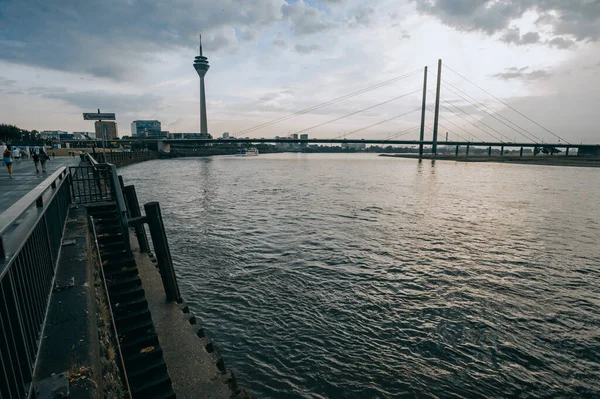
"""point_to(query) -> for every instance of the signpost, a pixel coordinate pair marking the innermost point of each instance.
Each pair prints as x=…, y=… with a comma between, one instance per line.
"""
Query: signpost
x=107, y=116
x=90, y=116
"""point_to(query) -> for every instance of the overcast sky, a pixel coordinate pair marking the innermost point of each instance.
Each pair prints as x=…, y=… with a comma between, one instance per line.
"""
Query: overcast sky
x=271, y=58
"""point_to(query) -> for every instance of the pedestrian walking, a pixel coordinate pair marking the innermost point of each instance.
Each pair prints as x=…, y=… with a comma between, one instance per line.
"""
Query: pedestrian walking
x=17, y=155
x=43, y=158
x=36, y=162
x=53, y=155
x=7, y=158
x=81, y=156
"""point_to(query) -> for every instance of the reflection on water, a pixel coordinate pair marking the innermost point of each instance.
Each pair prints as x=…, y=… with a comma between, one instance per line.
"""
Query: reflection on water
x=324, y=275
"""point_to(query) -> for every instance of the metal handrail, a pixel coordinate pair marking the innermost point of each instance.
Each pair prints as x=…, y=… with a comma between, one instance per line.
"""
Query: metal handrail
x=117, y=191
x=32, y=230
x=9, y=217
x=16, y=210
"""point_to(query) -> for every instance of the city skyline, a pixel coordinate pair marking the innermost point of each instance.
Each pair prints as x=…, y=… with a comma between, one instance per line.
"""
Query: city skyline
x=273, y=58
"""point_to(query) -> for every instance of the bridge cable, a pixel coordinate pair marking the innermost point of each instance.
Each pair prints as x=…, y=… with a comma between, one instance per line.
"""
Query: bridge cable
x=492, y=112
x=327, y=103
x=378, y=123
x=479, y=121
x=451, y=131
x=404, y=132
x=461, y=128
x=460, y=116
x=517, y=111
x=357, y=112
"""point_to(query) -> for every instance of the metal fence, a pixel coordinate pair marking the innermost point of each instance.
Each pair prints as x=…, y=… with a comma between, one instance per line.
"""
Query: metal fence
x=91, y=183
x=125, y=158
x=31, y=232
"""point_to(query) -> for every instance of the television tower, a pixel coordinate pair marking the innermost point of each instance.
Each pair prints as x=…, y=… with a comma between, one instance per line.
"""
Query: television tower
x=201, y=66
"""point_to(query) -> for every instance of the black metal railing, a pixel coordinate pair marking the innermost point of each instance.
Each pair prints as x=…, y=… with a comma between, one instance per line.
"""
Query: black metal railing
x=31, y=233
x=94, y=182
x=124, y=158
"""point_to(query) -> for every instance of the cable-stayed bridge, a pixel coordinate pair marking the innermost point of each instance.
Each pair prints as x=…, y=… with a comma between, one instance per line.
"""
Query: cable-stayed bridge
x=469, y=119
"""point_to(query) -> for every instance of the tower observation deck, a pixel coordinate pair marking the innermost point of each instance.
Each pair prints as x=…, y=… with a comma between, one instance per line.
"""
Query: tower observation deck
x=201, y=66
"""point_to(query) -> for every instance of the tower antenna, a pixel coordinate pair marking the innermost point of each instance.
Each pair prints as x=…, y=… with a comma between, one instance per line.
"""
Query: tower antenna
x=200, y=44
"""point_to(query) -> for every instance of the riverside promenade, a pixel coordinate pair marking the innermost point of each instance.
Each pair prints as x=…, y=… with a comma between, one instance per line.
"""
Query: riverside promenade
x=89, y=301
x=25, y=178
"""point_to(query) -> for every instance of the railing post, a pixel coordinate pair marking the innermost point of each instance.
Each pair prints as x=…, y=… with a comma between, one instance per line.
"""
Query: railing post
x=163, y=254
x=120, y=200
x=134, y=211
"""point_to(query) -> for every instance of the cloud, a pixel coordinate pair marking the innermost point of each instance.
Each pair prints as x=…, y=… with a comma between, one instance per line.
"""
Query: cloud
x=364, y=16
x=305, y=20
x=561, y=43
x=306, y=48
x=521, y=73
x=6, y=82
x=111, y=102
x=113, y=38
x=579, y=19
x=513, y=35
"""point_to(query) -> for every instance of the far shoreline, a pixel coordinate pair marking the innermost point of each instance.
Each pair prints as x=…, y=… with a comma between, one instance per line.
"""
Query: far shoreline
x=556, y=160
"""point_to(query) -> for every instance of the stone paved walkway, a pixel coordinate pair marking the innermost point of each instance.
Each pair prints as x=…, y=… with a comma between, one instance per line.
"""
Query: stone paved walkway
x=25, y=178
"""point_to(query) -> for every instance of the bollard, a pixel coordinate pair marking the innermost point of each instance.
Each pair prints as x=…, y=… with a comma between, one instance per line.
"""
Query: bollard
x=134, y=212
x=161, y=249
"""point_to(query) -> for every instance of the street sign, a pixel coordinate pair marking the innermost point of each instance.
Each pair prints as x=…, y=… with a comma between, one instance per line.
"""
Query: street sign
x=96, y=116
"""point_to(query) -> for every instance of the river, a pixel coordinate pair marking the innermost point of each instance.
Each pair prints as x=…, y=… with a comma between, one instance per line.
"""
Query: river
x=358, y=276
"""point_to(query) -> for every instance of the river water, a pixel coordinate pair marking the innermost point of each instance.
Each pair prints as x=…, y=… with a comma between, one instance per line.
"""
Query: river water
x=358, y=276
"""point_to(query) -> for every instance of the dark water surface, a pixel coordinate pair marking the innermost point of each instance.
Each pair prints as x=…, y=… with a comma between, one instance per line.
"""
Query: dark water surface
x=323, y=275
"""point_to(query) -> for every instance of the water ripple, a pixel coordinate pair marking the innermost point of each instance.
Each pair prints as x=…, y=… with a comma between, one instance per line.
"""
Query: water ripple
x=325, y=276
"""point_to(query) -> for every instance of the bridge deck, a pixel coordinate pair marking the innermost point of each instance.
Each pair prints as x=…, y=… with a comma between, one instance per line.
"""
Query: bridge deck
x=25, y=178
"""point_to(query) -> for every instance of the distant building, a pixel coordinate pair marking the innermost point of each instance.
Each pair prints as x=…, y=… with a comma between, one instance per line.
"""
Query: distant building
x=89, y=135
x=304, y=137
x=52, y=134
x=106, y=130
x=197, y=136
x=354, y=146
x=150, y=127
x=154, y=134
x=226, y=135
x=295, y=136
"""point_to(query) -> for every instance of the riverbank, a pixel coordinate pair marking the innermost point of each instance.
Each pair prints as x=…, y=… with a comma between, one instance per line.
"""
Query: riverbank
x=590, y=162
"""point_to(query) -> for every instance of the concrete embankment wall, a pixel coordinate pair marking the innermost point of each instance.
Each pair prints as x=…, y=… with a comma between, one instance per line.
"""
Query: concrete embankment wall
x=125, y=158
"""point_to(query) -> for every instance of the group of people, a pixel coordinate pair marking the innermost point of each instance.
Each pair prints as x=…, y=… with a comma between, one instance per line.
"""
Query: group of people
x=39, y=157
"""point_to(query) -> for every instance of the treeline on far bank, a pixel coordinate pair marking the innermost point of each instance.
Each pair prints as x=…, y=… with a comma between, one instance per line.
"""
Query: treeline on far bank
x=12, y=134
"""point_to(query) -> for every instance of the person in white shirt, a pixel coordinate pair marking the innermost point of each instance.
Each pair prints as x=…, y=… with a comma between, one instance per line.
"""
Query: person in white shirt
x=17, y=155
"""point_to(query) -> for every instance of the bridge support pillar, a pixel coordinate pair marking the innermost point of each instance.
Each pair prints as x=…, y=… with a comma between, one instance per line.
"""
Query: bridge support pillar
x=467, y=151
x=567, y=152
x=437, y=109
x=164, y=147
x=489, y=151
x=535, y=151
x=521, y=153
x=422, y=135
x=502, y=151
x=456, y=154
